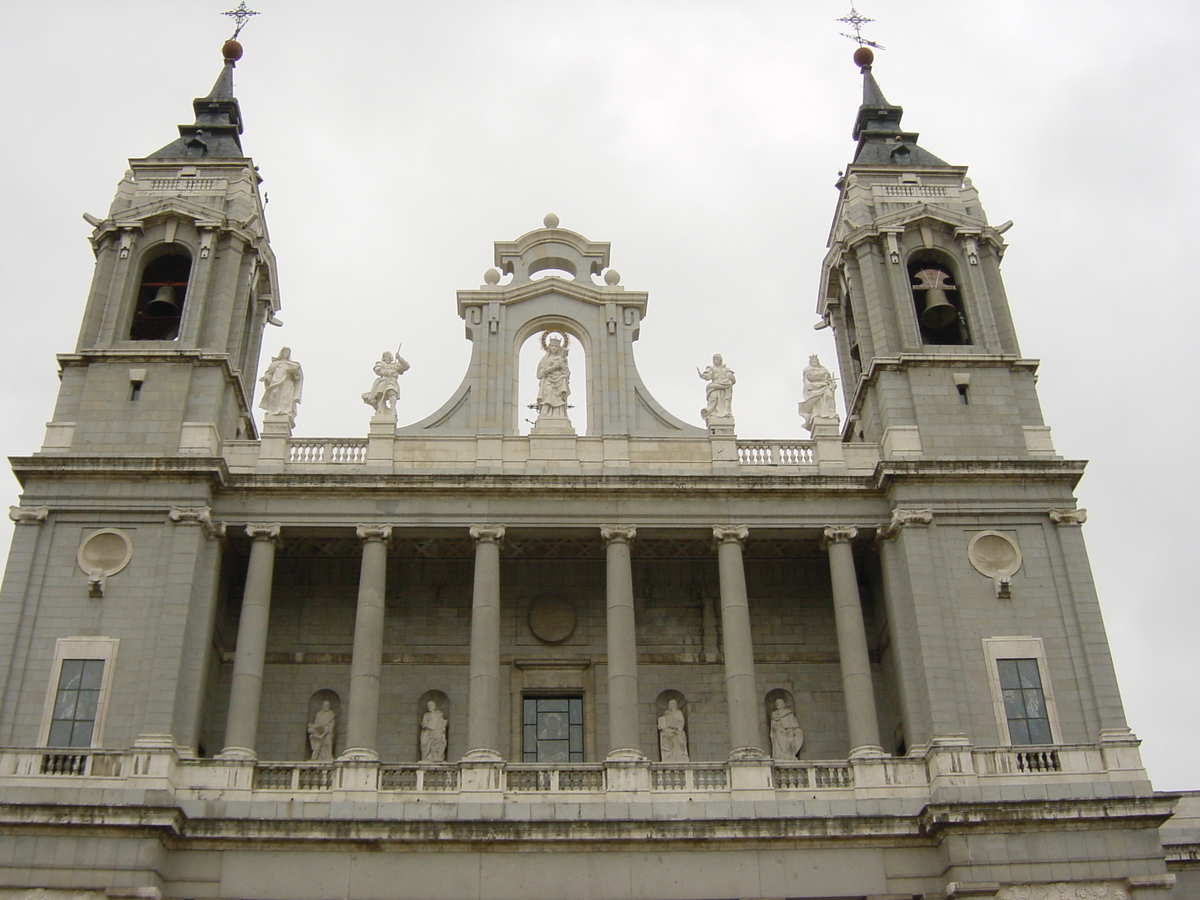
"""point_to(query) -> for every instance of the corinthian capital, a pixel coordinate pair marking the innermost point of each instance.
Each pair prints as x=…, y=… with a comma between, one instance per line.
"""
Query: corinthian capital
x=374, y=532
x=197, y=515
x=1068, y=516
x=726, y=534
x=487, y=534
x=620, y=533
x=837, y=534
x=28, y=515
x=268, y=532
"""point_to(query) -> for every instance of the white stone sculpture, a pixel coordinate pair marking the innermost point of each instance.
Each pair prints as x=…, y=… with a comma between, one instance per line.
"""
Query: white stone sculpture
x=786, y=736
x=284, y=381
x=554, y=377
x=719, y=393
x=321, y=732
x=385, y=391
x=820, y=388
x=433, y=734
x=672, y=736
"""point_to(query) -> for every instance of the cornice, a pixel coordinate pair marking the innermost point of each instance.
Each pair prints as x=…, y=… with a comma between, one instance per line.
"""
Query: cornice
x=163, y=468
x=586, y=292
x=891, y=471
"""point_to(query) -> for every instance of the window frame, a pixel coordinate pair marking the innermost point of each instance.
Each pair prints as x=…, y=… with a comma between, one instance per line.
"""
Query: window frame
x=85, y=648
x=1023, y=647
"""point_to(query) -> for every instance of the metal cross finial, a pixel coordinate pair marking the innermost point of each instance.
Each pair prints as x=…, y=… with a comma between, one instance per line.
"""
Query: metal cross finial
x=856, y=21
x=240, y=16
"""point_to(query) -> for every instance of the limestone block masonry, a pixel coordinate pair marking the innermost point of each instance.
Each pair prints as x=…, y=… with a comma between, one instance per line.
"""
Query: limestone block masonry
x=448, y=660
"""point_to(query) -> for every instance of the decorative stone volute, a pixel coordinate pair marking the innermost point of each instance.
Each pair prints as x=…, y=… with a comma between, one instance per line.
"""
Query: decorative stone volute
x=197, y=515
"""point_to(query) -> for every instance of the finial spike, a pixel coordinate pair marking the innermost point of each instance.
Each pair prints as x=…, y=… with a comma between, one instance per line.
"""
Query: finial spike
x=856, y=21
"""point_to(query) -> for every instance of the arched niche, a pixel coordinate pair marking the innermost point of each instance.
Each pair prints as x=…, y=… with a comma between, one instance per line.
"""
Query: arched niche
x=530, y=350
x=161, y=293
x=777, y=720
x=937, y=299
x=672, y=747
x=316, y=705
x=427, y=739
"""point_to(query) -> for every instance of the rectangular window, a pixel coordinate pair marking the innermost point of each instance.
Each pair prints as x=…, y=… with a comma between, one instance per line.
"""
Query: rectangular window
x=552, y=729
x=1022, y=696
x=76, y=702
x=1024, y=701
x=77, y=696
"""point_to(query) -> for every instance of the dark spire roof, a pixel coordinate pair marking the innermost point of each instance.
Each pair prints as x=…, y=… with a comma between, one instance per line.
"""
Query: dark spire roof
x=217, y=129
x=881, y=141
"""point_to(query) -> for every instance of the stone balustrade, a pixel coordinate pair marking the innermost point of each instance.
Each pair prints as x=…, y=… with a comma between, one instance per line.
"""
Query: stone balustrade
x=914, y=778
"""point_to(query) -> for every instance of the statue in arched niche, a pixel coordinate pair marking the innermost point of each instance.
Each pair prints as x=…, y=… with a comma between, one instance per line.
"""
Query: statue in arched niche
x=321, y=732
x=433, y=733
x=554, y=376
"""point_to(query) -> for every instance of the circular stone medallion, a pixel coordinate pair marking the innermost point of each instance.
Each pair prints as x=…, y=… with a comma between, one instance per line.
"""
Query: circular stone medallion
x=994, y=554
x=551, y=620
x=106, y=551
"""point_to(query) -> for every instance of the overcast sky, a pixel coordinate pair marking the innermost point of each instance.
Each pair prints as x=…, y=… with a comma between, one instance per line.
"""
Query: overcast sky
x=398, y=140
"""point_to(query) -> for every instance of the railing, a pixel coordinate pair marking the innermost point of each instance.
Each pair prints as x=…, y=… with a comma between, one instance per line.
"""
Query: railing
x=692, y=777
x=915, y=190
x=75, y=763
x=273, y=777
x=1022, y=762
x=803, y=776
x=565, y=778
x=418, y=778
x=327, y=450
x=776, y=453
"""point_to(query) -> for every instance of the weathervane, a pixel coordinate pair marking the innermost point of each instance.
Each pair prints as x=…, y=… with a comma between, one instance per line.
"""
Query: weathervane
x=242, y=15
x=856, y=21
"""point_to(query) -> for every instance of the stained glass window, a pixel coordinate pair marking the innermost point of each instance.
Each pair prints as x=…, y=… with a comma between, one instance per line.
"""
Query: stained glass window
x=552, y=729
x=76, y=702
x=1024, y=702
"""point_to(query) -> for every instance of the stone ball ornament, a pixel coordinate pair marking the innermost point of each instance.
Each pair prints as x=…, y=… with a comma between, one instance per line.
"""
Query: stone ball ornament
x=491, y=276
x=612, y=277
x=864, y=56
x=102, y=554
x=231, y=50
x=550, y=221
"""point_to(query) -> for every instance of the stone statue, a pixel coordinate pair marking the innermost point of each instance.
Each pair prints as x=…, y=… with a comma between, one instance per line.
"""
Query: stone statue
x=786, y=736
x=554, y=377
x=820, y=386
x=284, y=381
x=322, y=731
x=433, y=734
x=719, y=393
x=386, y=389
x=672, y=738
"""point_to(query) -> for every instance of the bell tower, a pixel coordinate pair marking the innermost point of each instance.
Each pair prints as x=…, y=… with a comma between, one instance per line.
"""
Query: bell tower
x=911, y=286
x=184, y=283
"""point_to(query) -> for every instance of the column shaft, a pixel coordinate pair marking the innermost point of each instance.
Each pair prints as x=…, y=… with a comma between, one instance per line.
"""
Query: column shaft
x=857, y=686
x=622, y=644
x=241, y=728
x=483, y=699
x=741, y=687
x=362, y=726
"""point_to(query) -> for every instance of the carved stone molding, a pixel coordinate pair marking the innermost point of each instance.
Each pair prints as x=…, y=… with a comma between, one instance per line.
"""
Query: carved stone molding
x=267, y=532
x=620, y=533
x=1068, y=516
x=487, y=533
x=836, y=534
x=724, y=534
x=902, y=518
x=374, y=533
x=28, y=515
x=1065, y=890
x=198, y=515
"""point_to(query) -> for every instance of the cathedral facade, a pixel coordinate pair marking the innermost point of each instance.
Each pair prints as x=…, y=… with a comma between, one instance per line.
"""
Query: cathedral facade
x=637, y=658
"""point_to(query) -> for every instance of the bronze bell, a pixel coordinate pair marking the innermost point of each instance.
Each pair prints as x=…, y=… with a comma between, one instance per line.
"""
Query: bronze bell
x=939, y=311
x=164, y=304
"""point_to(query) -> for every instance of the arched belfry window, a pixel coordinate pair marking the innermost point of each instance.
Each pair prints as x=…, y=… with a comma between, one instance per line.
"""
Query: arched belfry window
x=939, y=304
x=163, y=288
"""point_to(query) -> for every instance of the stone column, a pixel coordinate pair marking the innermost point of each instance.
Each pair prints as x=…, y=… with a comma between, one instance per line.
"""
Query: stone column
x=622, y=645
x=740, y=685
x=852, y=644
x=483, y=699
x=362, y=725
x=241, y=728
